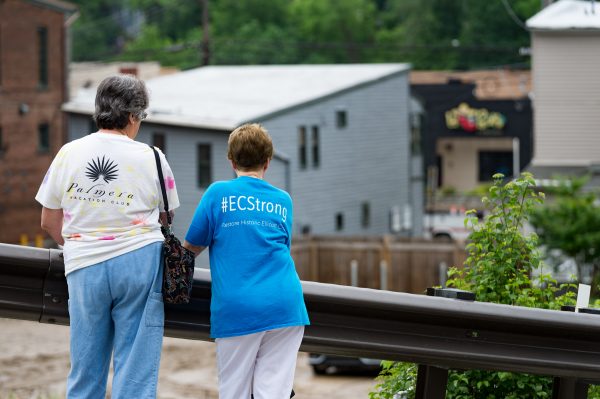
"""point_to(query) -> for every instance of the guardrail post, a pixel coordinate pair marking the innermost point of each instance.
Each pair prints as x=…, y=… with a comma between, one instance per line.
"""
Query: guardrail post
x=566, y=387
x=431, y=380
x=354, y=273
x=383, y=275
x=569, y=388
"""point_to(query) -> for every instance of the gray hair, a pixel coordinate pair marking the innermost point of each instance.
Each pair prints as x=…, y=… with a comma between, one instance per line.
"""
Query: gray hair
x=117, y=97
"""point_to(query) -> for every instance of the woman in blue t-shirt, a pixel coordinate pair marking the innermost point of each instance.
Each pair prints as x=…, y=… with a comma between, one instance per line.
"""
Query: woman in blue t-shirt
x=257, y=307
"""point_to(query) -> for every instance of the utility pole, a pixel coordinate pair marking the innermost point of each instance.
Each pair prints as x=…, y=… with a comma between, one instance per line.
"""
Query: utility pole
x=205, y=34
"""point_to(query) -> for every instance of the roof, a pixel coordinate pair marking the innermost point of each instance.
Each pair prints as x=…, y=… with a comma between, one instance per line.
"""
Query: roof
x=56, y=5
x=223, y=97
x=90, y=74
x=490, y=84
x=563, y=15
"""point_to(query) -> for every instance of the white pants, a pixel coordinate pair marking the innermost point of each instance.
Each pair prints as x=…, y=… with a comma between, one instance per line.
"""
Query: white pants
x=262, y=364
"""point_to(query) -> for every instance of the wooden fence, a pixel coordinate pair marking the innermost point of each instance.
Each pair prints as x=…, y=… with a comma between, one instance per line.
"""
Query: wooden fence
x=383, y=262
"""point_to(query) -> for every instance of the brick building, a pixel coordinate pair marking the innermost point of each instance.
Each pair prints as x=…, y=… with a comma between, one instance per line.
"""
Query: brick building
x=33, y=69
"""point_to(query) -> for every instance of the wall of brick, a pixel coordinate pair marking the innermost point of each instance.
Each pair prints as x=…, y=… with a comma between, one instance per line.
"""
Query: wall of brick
x=22, y=164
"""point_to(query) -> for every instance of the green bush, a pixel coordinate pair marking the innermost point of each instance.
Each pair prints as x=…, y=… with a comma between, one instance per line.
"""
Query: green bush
x=498, y=269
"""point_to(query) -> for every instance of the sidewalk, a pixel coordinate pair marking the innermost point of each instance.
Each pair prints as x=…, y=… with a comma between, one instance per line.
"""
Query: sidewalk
x=34, y=363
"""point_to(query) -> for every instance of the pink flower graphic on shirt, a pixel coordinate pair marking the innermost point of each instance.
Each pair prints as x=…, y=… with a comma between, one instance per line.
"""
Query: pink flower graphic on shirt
x=107, y=238
x=170, y=182
x=67, y=216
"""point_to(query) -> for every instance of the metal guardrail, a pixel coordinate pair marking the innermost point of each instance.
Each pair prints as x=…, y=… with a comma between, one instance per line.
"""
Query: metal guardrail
x=438, y=333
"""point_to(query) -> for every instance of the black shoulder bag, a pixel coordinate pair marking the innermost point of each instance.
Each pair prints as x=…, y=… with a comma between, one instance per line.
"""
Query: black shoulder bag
x=178, y=277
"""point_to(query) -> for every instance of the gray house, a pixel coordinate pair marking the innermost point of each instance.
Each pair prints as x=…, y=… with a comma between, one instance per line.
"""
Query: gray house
x=341, y=136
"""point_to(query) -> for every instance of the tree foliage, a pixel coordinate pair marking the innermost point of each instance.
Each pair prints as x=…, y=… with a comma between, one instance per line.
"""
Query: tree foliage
x=98, y=31
x=571, y=224
x=430, y=34
x=498, y=269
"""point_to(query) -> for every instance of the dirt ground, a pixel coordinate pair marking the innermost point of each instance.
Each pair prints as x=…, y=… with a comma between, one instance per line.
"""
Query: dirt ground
x=34, y=363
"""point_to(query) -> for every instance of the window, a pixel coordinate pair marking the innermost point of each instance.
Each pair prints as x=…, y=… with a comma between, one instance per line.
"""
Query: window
x=339, y=221
x=0, y=53
x=415, y=134
x=439, y=171
x=315, y=147
x=43, y=57
x=341, y=118
x=204, y=165
x=492, y=162
x=302, y=147
x=158, y=140
x=44, y=137
x=365, y=215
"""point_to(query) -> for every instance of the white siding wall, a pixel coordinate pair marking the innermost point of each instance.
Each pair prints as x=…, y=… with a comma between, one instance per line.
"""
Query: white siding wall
x=566, y=81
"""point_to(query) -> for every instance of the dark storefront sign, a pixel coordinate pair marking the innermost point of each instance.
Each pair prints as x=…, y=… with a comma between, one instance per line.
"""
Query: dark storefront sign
x=451, y=110
x=475, y=120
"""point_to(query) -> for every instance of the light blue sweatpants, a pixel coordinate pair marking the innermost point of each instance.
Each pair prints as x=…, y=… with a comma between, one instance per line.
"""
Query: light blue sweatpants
x=116, y=306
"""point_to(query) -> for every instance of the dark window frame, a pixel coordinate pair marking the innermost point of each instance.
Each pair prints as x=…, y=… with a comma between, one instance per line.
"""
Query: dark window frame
x=92, y=125
x=365, y=214
x=204, y=165
x=493, y=157
x=0, y=53
x=315, y=146
x=43, y=138
x=416, y=121
x=341, y=118
x=42, y=38
x=302, y=147
x=339, y=221
x=159, y=140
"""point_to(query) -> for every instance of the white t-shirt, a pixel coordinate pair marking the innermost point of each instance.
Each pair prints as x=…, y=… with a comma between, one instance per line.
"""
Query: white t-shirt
x=107, y=186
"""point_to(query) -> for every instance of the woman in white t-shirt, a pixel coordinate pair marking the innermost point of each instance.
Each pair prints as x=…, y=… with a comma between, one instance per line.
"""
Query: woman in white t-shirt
x=101, y=199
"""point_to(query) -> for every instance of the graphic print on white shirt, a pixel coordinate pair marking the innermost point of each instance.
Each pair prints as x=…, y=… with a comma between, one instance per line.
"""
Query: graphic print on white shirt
x=108, y=189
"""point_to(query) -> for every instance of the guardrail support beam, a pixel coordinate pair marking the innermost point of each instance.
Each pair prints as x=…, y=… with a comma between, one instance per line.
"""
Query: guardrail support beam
x=431, y=382
x=569, y=388
x=437, y=333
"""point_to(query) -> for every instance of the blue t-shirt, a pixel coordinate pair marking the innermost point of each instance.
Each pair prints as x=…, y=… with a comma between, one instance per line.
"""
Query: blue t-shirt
x=247, y=225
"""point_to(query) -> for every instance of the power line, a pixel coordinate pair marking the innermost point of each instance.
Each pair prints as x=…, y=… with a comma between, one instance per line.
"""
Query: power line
x=276, y=45
x=227, y=47
x=118, y=17
x=513, y=15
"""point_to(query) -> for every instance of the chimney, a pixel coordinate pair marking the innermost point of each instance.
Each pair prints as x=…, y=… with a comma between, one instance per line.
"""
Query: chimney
x=132, y=70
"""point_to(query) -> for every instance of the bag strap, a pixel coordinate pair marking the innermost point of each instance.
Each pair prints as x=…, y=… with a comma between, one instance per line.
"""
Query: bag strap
x=162, y=183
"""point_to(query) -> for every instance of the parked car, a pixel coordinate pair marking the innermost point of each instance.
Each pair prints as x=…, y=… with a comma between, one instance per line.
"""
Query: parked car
x=329, y=364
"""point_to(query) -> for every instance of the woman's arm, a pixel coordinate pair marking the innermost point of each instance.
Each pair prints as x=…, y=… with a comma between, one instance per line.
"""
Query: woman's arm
x=195, y=249
x=52, y=221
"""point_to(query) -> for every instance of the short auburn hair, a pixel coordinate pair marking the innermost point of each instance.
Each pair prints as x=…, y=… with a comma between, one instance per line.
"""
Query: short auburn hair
x=249, y=146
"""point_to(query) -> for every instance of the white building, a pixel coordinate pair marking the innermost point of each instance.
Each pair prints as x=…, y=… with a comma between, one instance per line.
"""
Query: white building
x=566, y=84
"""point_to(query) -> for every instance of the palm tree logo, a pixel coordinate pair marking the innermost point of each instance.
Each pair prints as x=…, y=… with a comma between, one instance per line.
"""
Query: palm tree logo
x=104, y=169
